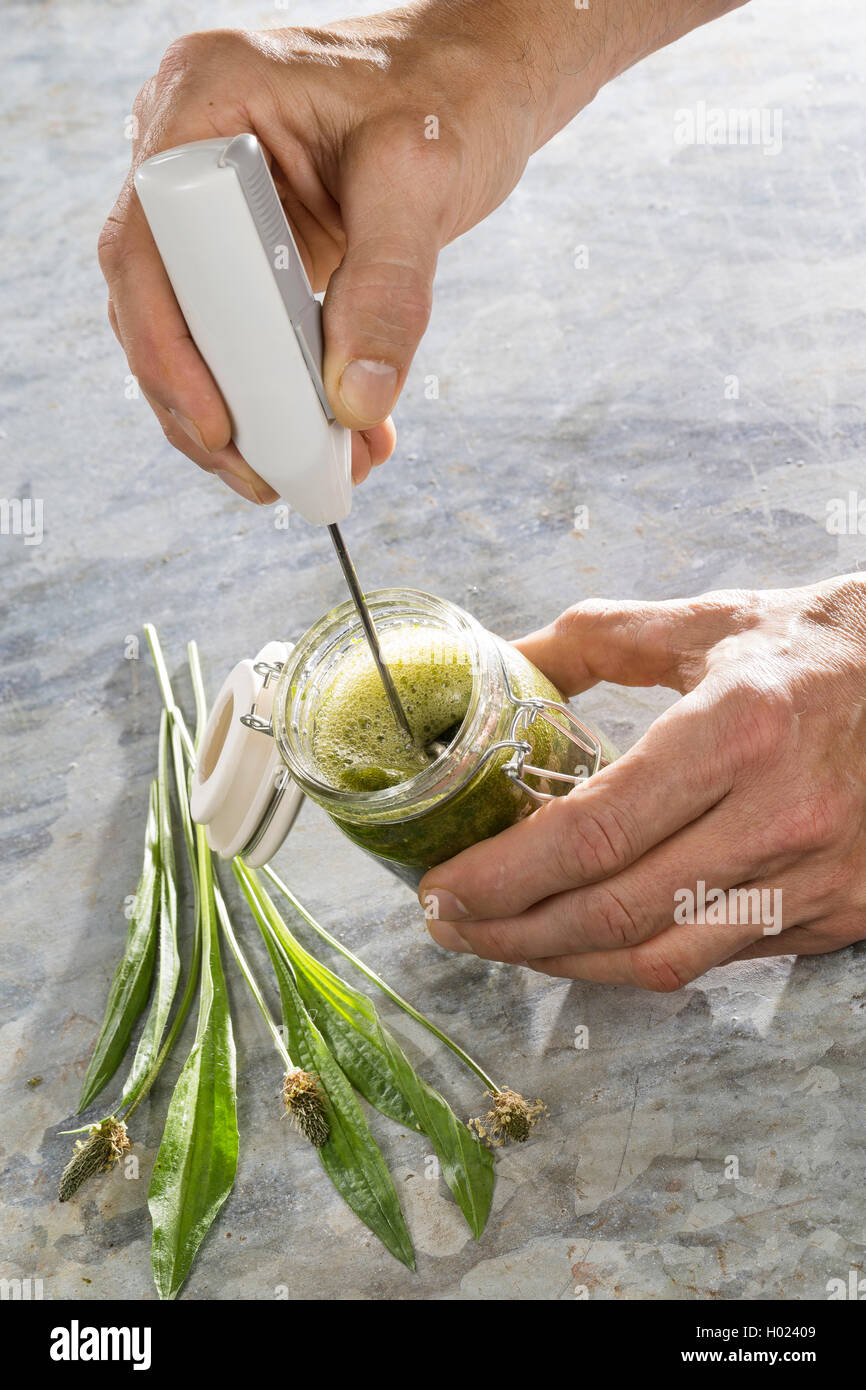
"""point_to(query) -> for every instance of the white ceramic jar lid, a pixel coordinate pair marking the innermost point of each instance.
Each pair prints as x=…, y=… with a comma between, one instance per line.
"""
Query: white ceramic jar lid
x=241, y=789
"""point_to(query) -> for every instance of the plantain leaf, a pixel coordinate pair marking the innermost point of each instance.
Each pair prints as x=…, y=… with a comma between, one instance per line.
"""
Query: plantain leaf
x=363, y=1061
x=467, y=1166
x=197, y=1159
x=131, y=984
x=350, y=1155
x=168, y=960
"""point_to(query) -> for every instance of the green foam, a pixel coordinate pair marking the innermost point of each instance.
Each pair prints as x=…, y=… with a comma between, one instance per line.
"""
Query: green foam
x=357, y=743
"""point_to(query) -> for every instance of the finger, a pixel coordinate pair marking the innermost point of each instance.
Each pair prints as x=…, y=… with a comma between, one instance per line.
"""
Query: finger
x=371, y=447
x=226, y=464
x=377, y=304
x=632, y=643
x=153, y=331
x=173, y=377
x=684, y=764
x=815, y=938
x=666, y=962
x=641, y=901
x=446, y=934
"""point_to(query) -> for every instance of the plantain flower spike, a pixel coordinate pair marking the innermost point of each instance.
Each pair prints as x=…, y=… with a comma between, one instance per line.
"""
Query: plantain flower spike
x=512, y=1118
x=305, y=1105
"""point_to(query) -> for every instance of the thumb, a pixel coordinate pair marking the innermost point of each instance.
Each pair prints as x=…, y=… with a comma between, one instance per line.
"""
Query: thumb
x=379, y=299
x=632, y=643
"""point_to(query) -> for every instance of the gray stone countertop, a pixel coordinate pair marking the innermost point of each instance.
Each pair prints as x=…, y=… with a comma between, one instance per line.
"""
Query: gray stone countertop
x=559, y=387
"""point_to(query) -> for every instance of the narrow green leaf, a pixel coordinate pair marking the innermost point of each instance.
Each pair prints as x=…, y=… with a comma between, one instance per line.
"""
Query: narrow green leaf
x=197, y=1159
x=131, y=984
x=467, y=1165
x=345, y=1017
x=350, y=1155
x=363, y=1061
x=168, y=959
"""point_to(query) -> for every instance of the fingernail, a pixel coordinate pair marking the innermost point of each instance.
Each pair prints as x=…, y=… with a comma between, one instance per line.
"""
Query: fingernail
x=238, y=485
x=191, y=428
x=368, y=389
x=441, y=906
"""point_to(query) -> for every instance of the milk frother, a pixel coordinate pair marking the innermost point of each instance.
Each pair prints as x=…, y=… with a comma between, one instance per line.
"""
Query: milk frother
x=229, y=253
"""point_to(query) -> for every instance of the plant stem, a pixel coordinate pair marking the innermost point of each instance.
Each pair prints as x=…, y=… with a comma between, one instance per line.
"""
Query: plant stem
x=379, y=982
x=181, y=745
x=243, y=964
x=166, y=690
x=198, y=692
x=178, y=1020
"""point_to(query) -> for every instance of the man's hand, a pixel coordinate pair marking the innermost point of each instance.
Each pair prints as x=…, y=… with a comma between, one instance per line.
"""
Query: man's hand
x=755, y=779
x=387, y=137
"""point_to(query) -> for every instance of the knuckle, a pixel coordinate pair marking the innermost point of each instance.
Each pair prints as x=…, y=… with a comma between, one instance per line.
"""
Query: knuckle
x=177, y=56
x=109, y=247
x=391, y=295
x=766, y=726
x=741, y=606
x=186, y=53
x=593, y=842
x=756, y=723
x=576, y=619
x=192, y=56
x=495, y=942
x=817, y=820
x=653, y=971
x=646, y=633
x=396, y=323
x=621, y=927
x=141, y=105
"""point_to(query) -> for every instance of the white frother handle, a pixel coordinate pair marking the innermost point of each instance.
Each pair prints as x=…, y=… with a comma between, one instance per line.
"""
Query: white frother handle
x=234, y=268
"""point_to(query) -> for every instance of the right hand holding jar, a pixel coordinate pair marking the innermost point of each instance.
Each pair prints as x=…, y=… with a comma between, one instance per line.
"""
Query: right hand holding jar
x=493, y=739
x=752, y=786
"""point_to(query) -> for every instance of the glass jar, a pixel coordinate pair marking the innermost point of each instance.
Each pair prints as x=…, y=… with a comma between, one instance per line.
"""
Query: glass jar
x=517, y=745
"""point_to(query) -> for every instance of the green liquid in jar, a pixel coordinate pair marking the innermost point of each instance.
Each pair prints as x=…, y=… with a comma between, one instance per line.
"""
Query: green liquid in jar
x=358, y=746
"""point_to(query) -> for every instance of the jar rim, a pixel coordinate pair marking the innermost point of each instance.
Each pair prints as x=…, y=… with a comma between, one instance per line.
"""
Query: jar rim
x=341, y=624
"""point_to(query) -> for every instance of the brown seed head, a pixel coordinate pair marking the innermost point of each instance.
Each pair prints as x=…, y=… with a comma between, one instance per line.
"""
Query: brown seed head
x=305, y=1105
x=96, y=1154
x=512, y=1117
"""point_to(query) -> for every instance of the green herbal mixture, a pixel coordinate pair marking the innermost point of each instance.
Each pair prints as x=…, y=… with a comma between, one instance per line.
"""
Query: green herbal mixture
x=357, y=746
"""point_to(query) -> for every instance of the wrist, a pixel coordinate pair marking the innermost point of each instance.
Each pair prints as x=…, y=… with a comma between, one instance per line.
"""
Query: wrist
x=550, y=59
x=539, y=60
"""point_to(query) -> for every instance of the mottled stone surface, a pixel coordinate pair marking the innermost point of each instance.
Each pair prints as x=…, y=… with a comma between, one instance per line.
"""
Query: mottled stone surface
x=559, y=387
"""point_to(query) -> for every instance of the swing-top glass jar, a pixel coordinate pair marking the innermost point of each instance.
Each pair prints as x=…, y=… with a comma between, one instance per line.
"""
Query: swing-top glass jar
x=497, y=735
